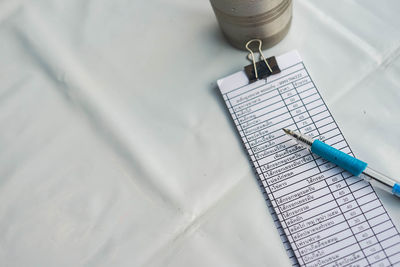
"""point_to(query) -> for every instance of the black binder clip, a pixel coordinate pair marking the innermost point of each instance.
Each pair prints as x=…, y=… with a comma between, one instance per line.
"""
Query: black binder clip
x=263, y=68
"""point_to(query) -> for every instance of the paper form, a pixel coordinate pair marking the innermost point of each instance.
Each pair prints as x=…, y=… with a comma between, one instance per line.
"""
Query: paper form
x=329, y=217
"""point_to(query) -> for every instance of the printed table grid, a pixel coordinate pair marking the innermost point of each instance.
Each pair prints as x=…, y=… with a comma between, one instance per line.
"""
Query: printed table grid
x=324, y=215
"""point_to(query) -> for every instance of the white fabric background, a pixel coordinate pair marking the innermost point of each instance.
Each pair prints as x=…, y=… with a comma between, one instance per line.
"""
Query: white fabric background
x=116, y=149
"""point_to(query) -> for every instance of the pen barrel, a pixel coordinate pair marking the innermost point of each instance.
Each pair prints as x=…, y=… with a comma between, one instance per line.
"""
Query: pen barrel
x=380, y=180
x=343, y=160
x=355, y=167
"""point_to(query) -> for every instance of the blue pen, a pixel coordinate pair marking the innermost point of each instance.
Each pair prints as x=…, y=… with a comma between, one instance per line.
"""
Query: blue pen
x=354, y=166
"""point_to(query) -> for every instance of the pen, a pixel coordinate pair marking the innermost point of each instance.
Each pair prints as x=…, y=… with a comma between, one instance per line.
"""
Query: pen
x=347, y=162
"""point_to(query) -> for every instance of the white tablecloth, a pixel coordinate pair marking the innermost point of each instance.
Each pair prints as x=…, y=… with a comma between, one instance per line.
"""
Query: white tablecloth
x=115, y=146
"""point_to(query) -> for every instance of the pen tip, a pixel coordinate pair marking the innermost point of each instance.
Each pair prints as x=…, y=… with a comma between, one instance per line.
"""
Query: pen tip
x=287, y=131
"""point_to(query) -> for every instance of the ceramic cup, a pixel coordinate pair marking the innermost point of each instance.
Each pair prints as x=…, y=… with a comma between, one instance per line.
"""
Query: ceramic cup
x=243, y=20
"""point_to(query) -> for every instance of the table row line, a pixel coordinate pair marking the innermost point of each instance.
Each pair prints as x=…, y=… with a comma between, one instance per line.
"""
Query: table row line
x=274, y=125
x=277, y=113
x=274, y=98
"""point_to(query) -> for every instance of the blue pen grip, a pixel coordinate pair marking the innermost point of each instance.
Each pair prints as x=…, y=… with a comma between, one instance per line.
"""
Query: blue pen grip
x=347, y=162
x=396, y=190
